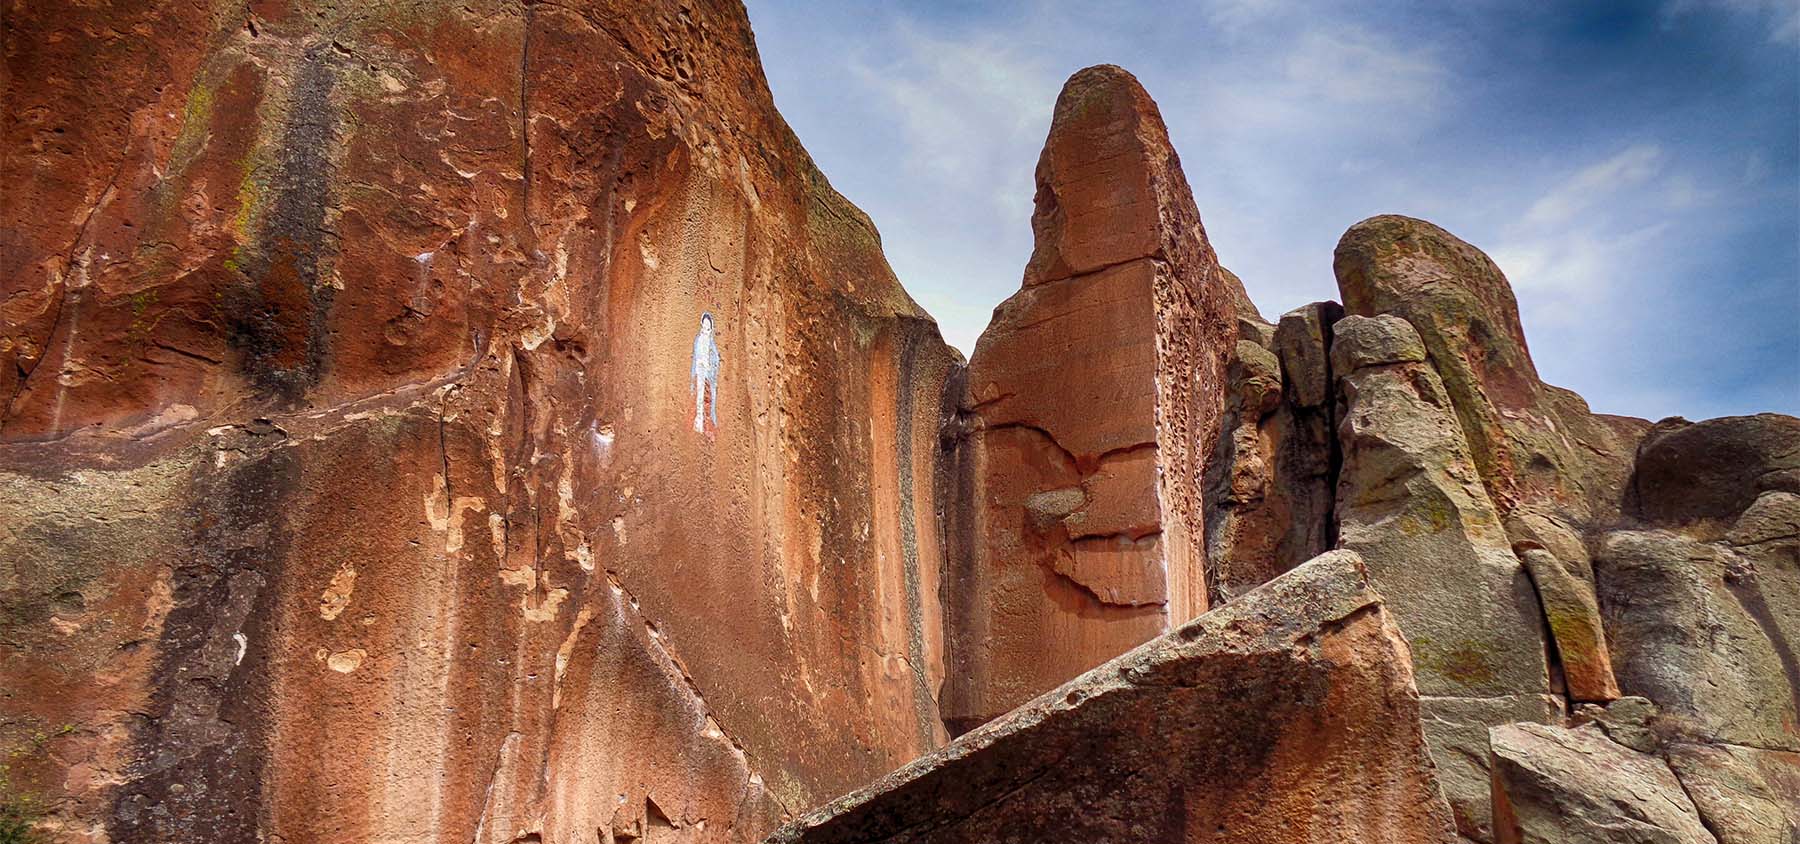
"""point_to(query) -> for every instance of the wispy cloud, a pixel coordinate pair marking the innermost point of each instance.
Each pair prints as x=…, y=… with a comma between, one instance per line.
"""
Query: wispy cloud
x=959, y=99
x=1597, y=184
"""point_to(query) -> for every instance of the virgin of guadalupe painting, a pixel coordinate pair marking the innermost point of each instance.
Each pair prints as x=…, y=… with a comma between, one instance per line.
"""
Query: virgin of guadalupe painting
x=706, y=377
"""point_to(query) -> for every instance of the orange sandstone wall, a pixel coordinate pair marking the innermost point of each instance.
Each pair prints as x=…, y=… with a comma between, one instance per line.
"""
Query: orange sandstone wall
x=369, y=473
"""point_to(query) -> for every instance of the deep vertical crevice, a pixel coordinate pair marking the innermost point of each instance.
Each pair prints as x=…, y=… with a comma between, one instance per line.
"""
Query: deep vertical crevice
x=1329, y=314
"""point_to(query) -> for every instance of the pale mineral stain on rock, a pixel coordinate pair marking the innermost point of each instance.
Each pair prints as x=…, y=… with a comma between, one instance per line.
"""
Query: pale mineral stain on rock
x=336, y=597
x=344, y=662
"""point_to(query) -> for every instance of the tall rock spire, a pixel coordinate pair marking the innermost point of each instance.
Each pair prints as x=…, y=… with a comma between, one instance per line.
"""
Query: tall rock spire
x=1090, y=403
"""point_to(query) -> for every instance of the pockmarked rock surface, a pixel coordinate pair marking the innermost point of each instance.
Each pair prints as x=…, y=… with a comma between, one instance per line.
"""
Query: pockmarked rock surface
x=1089, y=406
x=1287, y=715
x=1554, y=785
x=469, y=422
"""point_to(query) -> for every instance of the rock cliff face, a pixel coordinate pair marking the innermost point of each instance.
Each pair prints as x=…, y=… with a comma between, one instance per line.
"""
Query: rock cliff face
x=447, y=422
x=483, y=423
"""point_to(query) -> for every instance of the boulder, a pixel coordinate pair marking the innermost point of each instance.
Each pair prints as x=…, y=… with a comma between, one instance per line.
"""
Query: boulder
x=1269, y=483
x=1549, y=465
x=1409, y=501
x=1573, y=615
x=1250, y=323
x=1534, y=445
x=1456, y=730
x=1554, y=785
x=1631, y=721
x=1771, y=524
x=1714, y=469
x=1105, y=373
x=1244, y=524
x=1285, y=716
x=1303, y=343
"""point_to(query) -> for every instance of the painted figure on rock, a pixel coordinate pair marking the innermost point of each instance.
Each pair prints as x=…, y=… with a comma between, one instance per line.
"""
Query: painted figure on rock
x=706, y=376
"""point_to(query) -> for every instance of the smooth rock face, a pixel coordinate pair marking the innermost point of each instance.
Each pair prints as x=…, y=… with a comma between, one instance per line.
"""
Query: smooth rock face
x=476, y=422
x=1089, y=405
x=1547, y=462
x=1287, y=715
x=1410, y=503
x=1693, y=631
x=1456, y=729
x=1559, y=786
x=1573, y=614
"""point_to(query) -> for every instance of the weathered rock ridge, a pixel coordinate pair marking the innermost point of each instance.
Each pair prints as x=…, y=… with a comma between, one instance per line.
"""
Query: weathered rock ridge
x=484, y=423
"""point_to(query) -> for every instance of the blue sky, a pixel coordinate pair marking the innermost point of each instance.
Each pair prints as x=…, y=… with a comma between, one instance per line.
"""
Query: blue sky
x=1633, y=167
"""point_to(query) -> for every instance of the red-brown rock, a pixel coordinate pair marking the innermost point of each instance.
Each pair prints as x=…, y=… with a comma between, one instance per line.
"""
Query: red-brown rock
x=1090, y=403
x=369, y=472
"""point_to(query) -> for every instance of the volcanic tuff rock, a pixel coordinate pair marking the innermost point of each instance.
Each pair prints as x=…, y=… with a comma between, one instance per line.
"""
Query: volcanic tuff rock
x=1076, y=534
x=483, y=423
x=1287, y=715
x=1537, y=447
x=455, y=422
x=1269, y=482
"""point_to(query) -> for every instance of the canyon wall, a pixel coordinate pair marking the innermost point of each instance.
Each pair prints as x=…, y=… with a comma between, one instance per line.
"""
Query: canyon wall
x=447, y=422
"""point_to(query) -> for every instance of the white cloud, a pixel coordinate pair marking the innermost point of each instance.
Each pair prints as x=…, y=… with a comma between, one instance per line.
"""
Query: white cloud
x=1596, y=184
x=1574, y=266
x=1293, y=121
x=1352, y=66
x=1600, y=224
x=960, y=101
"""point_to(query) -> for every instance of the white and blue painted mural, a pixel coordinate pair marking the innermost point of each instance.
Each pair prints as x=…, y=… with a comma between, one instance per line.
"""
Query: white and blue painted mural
x=706, y=376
